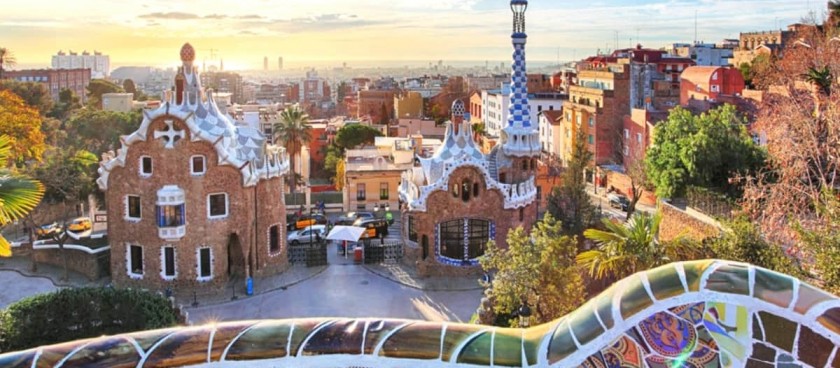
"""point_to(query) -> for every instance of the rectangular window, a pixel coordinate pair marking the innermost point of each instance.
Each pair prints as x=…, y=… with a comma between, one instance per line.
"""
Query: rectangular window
x=360, y=192
x=591, y=121
x=639, y=137
x=626, y=133
x=197, y=165
x=412, y=229
x=217, y=205
x=274, y=238
x=383, y=191
x=136, y=259
x=626, y=151
x=134, y=207
x=591, y=139
x=171, y=216
x=169, y=261
x=146, y=166
x=204, y=264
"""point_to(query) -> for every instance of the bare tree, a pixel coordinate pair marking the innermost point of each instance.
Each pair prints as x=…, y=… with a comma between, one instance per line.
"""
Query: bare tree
x=800, y=119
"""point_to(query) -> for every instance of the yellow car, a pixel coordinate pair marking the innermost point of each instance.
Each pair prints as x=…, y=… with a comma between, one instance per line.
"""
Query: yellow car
x=80, y=224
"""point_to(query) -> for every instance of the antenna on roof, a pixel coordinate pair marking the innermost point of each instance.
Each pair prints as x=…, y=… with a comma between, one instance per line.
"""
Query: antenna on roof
x=695, y=26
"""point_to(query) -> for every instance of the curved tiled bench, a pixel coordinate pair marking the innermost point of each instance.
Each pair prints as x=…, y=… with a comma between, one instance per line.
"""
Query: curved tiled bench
x=694, y=314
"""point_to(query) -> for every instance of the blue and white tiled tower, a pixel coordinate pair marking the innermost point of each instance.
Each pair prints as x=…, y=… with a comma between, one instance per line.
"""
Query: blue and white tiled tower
x=519, y=138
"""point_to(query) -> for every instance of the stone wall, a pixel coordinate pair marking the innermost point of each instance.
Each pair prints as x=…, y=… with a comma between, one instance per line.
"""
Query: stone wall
x=686, y=222
x=93, y=266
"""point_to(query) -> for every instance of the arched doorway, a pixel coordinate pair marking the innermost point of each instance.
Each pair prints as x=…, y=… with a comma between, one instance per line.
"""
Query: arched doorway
x=235, y=257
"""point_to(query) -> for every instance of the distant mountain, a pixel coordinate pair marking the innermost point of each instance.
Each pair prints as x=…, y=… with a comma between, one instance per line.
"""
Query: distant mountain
x=139, y=74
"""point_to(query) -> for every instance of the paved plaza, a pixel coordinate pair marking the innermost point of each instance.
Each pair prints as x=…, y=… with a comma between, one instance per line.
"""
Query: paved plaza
x=341, y=289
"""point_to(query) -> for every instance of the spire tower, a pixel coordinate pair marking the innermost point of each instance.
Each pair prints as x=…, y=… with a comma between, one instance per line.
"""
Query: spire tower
x=519, y=138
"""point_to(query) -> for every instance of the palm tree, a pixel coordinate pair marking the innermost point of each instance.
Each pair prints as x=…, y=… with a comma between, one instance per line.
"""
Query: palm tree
x=624, y=249
x=7, y=60
x=18, y=194
x=293, y=131
x=820, y=78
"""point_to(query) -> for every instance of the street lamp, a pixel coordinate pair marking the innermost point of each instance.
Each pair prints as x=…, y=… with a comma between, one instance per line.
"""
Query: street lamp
x=524, y=313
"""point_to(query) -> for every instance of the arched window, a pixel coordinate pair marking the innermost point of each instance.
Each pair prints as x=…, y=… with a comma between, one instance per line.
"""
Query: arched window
x=465, y=190
x=475, y=189
x=455, y=190
x=462, y=241
x=521, y=214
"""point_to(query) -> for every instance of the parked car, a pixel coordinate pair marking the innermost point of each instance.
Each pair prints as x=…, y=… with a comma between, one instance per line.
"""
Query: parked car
x=305, y=236
x=80, y=224
x=305, y=221
x=375, y=228
x=351, y=217
x=619, y=201
x=48, y=230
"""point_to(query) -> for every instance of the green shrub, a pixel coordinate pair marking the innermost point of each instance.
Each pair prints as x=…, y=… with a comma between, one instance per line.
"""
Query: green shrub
x=73, y=314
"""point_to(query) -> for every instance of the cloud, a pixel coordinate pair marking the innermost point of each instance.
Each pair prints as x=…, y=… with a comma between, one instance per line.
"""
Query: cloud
x=320, y=23
x=191, y=16
x=170, y=15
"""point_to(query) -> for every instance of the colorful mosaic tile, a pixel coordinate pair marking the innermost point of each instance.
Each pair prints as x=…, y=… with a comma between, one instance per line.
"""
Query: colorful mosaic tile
x=706, y=328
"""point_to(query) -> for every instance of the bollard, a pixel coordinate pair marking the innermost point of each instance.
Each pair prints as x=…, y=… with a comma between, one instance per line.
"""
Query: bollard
x=249, y=286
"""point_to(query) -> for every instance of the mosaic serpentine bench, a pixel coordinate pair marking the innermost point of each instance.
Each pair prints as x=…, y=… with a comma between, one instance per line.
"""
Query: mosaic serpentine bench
x=692, y=314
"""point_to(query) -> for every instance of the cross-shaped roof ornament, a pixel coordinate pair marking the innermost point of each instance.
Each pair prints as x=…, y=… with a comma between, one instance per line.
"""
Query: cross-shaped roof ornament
x=170, y=134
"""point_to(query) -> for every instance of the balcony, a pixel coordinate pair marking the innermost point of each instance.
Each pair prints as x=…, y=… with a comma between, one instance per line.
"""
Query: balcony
x=172, y=233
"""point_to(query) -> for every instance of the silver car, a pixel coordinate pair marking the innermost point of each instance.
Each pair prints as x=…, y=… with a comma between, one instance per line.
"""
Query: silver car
x=307, y=235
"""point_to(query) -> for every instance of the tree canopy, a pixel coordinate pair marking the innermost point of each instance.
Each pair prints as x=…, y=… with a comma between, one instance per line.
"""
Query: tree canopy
x=742, y=241
x=99, y=131
x=569, y=202
x=22, y=124
x=34, y=94
x=703, y=150
x=540, y=268
x=354, y=135
x=67, y=175
x=99, y=87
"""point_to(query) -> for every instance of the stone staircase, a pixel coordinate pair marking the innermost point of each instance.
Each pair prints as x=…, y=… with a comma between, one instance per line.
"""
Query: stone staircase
x=493, y=168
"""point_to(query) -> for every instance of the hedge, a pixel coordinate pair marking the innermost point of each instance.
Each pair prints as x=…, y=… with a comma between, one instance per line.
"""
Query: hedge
x=73, y=314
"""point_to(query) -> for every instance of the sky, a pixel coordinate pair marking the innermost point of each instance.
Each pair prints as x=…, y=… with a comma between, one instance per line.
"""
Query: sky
x=242, y=32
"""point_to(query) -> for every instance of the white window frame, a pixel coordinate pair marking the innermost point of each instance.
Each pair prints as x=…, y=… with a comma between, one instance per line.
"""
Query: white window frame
x=639, y=137
x=127, y=215
x=198, y=264
x=129, y=271
x=203, y=166
x=626, y=133
x=227, y=206
x=626, y=150
x=163, y=262
x=140, y=166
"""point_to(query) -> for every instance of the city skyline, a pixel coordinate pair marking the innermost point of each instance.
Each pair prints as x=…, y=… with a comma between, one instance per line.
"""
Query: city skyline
x=243, y=32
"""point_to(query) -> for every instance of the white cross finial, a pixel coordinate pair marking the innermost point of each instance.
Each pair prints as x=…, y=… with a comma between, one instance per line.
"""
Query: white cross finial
x=170, y=134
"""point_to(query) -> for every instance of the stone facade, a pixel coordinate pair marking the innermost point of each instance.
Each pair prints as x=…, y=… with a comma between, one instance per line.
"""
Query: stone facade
x=445, y=206
x=194, y=201
x=235, y=246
